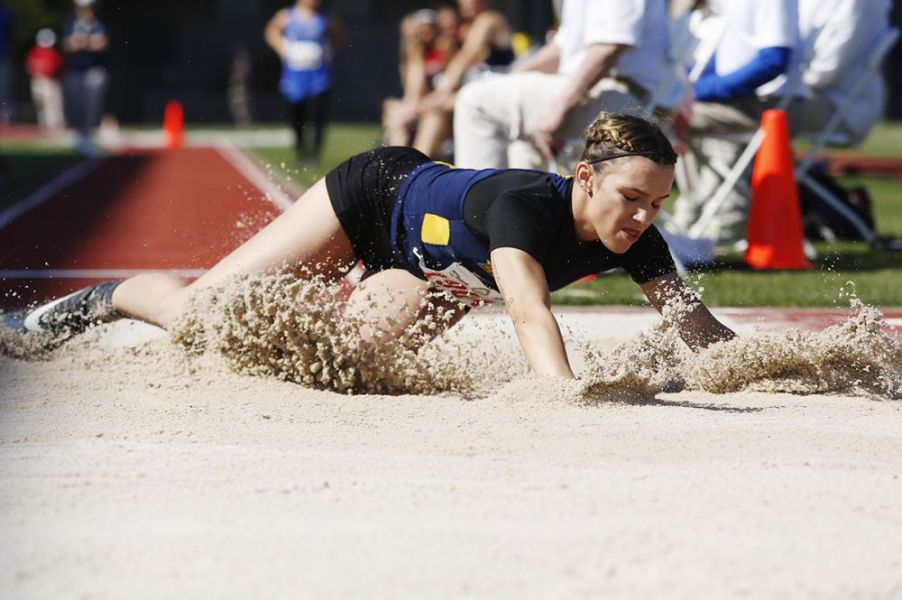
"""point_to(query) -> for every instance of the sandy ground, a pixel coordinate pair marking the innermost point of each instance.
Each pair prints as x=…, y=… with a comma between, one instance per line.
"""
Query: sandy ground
x=128, y=483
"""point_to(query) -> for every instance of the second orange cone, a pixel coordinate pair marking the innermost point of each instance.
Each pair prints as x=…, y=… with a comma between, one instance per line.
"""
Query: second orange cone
x=775, y=234
x=173, y=124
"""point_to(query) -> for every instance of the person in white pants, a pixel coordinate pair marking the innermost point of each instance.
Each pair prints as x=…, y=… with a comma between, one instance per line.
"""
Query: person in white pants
x=608, y=55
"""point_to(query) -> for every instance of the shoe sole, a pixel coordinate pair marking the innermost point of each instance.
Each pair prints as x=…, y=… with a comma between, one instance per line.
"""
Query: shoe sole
x=32, y=321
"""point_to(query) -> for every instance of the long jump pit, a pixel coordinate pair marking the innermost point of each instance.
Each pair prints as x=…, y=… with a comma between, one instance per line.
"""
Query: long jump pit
x=253, y=452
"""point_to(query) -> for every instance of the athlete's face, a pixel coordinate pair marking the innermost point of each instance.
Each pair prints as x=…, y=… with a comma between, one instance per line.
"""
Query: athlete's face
x=626, y=195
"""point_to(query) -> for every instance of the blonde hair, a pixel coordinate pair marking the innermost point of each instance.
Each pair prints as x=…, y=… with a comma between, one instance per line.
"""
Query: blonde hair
x=612, y=135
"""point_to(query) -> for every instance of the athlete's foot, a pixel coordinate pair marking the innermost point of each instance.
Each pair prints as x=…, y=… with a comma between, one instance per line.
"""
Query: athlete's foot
x=65, y=317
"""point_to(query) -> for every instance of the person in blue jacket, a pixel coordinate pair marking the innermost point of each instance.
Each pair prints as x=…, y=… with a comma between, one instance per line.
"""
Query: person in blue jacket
x=755, y=64
x=305, y=38
x=470, y=236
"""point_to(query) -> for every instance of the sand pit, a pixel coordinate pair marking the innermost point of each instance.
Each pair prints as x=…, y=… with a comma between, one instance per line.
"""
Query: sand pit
x=153, y=473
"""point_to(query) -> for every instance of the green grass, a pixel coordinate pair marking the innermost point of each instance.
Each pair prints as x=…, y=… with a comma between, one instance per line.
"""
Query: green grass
x=875, y=277
x=25, y=168
x=886, y=192
x=884, y=142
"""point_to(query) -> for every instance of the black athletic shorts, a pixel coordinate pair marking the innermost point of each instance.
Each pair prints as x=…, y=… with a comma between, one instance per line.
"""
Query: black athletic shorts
x=363, y=191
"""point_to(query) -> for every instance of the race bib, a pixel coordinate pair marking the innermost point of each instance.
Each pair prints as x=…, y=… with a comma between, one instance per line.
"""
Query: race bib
x=303, y=55
x=461, y=283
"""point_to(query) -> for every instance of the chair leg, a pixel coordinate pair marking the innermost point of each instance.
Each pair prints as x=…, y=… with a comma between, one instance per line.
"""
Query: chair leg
x=726, y=187
x=866, y=232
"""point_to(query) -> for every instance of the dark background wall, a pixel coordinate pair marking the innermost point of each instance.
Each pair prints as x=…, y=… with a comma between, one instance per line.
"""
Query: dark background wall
x=182, y=49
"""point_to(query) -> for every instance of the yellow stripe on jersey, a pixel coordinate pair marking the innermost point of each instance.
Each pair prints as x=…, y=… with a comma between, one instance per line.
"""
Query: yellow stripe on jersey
x=436, y=230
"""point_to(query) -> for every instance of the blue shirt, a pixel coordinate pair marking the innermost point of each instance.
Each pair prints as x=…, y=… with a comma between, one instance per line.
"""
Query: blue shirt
x=307, y=62
x=82, y=60
x=433, y=237
x=6, y=31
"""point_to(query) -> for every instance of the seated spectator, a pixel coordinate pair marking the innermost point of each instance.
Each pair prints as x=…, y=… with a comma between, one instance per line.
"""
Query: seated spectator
x=838, y=37
x=426, y=50
x=485, y=46
x=607, y=55
x=44, y=64
x=755, y=63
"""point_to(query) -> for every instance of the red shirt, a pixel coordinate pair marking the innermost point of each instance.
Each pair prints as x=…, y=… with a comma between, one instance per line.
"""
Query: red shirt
x=43, y=62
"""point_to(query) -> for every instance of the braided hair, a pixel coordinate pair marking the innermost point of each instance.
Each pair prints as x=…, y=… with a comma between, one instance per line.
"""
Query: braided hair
x=613, y=135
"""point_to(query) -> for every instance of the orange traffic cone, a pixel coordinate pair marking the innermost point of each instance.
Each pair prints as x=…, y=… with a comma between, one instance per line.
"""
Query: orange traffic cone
x=775, y=237
x=173, y=125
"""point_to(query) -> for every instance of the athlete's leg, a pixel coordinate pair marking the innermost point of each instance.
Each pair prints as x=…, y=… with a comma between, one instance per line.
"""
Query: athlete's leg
x=395, y=301
x=308, y=237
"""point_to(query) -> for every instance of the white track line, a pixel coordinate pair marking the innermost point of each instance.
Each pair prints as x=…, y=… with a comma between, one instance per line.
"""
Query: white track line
x=92, y=273
x=255, y=175
x=68, y=177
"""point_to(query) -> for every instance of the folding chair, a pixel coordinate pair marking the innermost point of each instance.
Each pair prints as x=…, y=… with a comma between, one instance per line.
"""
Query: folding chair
x=731, y=179
x=828, y=135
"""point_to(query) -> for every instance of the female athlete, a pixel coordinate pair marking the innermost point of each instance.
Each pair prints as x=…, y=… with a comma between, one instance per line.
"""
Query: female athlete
x=480, y=236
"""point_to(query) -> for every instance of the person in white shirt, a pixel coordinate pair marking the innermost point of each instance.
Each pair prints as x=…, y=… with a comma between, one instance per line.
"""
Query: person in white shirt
x=754, y=65
x=608, y=55
x=838, y=38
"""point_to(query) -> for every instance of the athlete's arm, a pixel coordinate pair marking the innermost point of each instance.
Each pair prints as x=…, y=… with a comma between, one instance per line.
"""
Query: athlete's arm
x=698, y=327
x=521, y=281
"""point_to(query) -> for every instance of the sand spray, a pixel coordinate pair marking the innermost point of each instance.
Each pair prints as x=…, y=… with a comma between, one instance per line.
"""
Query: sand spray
x=279, y=326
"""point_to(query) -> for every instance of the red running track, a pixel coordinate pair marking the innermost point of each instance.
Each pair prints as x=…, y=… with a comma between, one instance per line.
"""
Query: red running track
x=140, y=210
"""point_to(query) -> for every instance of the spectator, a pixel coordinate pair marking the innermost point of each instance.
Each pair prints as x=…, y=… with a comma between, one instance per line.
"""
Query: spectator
x=239, y=89
x=607, y=55
x=44, y=64
x=304, y=38
x=485, y=46
x=6, y=68
x=838, y=36
x=428, y=41
x=755, y=63
x=85, y=42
